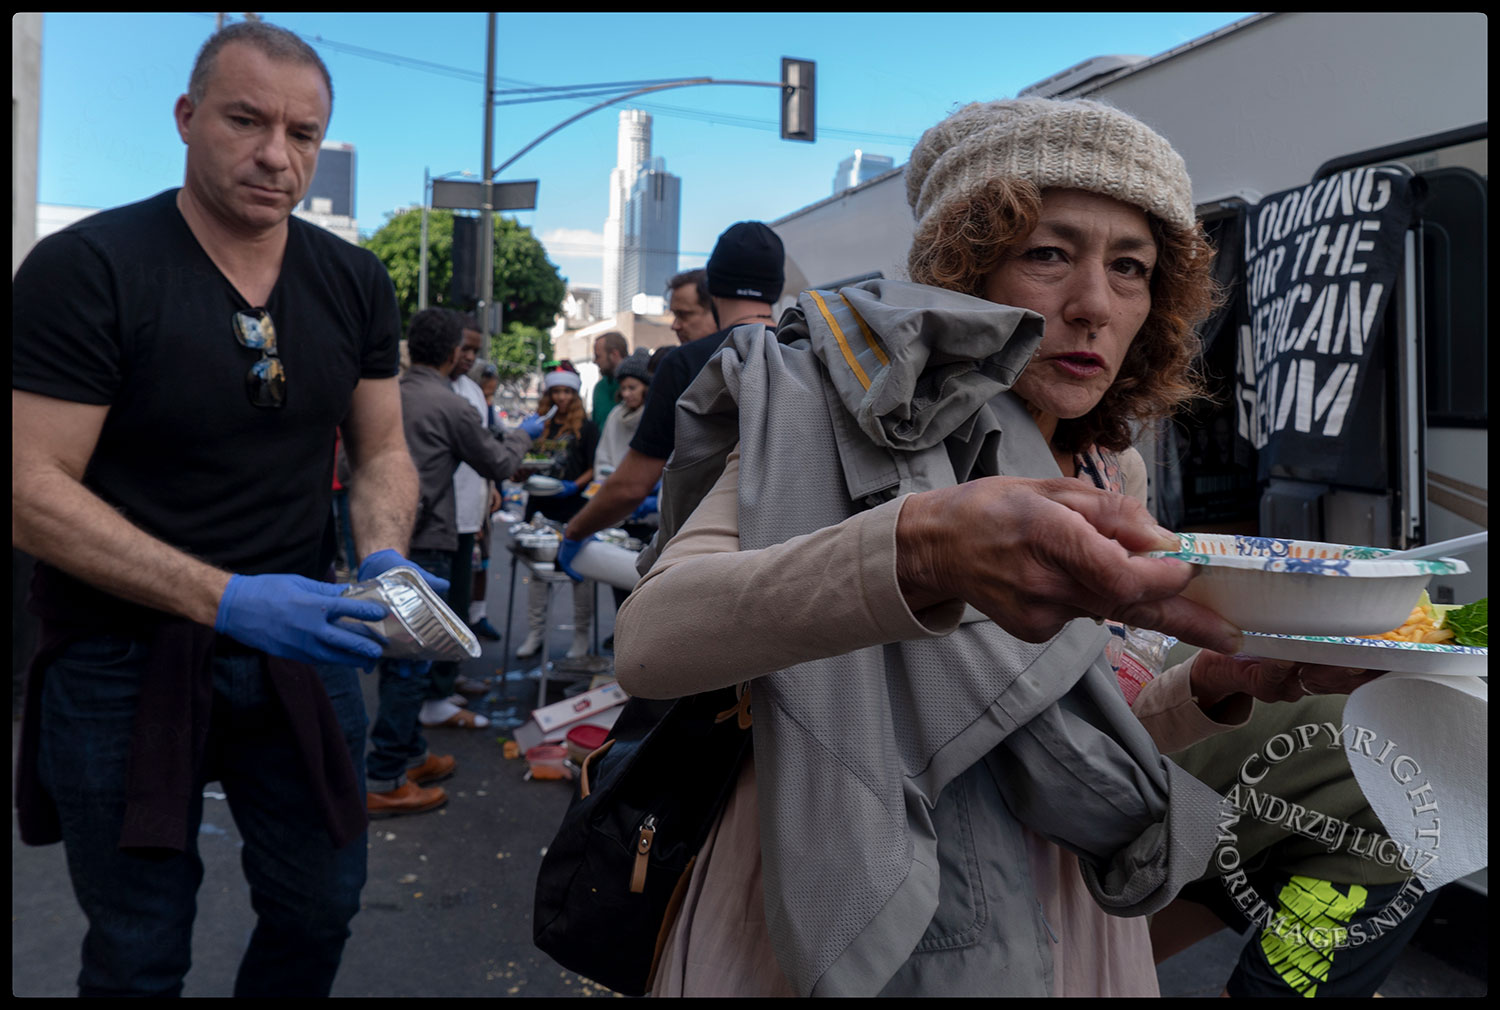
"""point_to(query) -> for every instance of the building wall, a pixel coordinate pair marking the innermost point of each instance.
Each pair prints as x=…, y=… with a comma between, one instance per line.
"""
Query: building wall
x=582, y=304
x=649, y=331
x=329, y=201
x=25, y=108
x=54, y=217
x=860, y=167
x=859, y=232
x=341, y=225
x=334, y=180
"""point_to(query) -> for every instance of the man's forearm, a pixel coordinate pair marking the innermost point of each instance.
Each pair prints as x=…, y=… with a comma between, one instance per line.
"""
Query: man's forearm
x=383, y=496
x=57, y=520
x=612, y=504
x=493, y=456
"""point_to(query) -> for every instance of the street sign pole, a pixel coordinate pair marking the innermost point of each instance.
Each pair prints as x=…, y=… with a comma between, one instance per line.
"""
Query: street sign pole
x=487, y=259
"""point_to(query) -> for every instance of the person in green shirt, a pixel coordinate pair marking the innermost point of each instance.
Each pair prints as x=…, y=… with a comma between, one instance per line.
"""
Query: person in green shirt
x=1327, y=918
x=609, y=350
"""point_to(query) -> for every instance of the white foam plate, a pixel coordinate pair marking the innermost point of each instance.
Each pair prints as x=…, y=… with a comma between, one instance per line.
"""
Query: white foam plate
x=1304, y=587
x=542, y=486
x=1371, y=654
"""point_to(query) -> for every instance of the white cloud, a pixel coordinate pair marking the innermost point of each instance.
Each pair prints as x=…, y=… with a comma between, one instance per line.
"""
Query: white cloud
x=574, y=242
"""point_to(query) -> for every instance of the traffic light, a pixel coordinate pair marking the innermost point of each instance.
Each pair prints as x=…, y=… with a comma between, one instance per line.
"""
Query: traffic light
x=468, y=243
x=797, y=107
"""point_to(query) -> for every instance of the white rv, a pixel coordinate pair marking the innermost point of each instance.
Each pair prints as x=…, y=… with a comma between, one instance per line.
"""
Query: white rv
x=1269, y=103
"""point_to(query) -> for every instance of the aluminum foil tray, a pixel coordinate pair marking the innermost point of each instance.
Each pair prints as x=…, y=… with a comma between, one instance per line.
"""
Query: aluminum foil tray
x=420, y=625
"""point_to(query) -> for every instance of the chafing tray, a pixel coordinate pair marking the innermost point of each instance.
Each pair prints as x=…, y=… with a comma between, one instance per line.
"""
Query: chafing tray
x=420, y=625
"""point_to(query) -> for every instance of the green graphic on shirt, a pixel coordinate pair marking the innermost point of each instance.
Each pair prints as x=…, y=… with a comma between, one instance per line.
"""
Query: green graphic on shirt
x=1299, y=955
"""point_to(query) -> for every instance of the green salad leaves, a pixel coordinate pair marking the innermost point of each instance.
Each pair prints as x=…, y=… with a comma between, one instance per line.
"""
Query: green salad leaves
x=1470, y=624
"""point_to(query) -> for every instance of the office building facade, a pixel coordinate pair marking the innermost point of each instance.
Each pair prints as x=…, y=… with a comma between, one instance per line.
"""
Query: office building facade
x=641, y=232
x=651, y=231
x=329, y=201
x=860, y=167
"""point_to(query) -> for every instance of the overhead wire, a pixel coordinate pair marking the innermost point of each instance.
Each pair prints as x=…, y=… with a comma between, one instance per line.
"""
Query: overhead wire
x=579, y=92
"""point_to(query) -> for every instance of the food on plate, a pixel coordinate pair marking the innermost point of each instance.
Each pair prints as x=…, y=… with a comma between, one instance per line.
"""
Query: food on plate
x=1470, y=624
x=1443, y=624
x=1419, y=626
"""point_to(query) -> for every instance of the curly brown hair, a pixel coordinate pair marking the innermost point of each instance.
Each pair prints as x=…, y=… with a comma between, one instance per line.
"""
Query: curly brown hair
x=568, y=420
x=963, y=243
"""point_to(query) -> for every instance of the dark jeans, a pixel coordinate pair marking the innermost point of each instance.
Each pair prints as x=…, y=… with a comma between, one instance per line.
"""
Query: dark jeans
x=344, y=527
x=1294, y=959
x=140, y=906
x=443, y=679
x=396, y=738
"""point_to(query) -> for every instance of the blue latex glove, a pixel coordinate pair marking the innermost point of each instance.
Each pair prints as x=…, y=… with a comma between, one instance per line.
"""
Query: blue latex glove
x=297, y=618
x=537, y=423
x=566, y=489
x=389, y=558
x=566, y=552
x=647, y=506
x=406, y=668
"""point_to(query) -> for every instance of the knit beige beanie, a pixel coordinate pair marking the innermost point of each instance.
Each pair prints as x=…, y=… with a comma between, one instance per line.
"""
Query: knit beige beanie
x=1062, y=143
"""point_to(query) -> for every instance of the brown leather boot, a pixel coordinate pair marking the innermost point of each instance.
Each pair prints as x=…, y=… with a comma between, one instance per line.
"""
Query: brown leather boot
x=409, y=798
x=434, y=769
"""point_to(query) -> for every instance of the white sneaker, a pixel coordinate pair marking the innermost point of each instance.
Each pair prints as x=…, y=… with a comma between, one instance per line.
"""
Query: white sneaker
x=580, y=647
x=532, y=645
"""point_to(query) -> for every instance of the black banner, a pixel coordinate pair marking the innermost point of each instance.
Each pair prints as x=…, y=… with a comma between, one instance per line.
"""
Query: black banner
x=1320, y=263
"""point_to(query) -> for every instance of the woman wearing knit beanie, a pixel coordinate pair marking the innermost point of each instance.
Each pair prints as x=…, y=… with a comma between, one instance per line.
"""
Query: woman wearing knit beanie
x=934, y=482
x=634, y=378
x=571, y=439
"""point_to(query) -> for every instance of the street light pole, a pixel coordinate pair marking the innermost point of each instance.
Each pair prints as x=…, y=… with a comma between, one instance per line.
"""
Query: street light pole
x=487, y=259
x=422, y=276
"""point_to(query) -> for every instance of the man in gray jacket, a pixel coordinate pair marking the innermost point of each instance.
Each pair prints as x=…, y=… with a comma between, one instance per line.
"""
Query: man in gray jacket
x=442, y=430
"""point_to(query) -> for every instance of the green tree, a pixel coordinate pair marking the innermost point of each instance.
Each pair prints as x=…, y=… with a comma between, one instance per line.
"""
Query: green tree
x=527, y=285
x=519, y=351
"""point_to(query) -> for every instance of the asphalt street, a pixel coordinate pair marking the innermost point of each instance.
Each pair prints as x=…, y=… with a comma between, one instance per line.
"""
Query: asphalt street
x=447, y=909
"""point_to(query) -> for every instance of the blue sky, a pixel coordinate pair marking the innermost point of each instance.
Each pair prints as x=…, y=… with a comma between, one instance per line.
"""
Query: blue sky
x=408, y=93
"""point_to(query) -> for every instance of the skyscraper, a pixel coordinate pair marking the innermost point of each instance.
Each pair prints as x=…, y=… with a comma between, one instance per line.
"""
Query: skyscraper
x=651, y=230
x=860, y=167
x=329, y=202
x=334, y=179
x=640, y=234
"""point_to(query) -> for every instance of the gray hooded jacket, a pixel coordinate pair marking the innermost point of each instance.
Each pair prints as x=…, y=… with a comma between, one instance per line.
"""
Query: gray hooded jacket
x=910, y=768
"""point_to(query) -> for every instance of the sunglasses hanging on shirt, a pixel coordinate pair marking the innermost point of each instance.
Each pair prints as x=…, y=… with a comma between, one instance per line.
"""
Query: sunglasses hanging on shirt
x=265, y=383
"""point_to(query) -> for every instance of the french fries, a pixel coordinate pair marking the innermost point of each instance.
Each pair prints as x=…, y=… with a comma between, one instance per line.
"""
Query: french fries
x=1418, y=627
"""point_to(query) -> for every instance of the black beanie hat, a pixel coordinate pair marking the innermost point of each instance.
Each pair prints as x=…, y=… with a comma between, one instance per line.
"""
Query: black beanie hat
x=635, y=366
x=747, y=262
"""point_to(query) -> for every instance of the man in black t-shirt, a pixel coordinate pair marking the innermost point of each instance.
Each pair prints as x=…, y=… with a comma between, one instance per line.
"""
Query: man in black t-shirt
x=179, y=367
x=745, y=274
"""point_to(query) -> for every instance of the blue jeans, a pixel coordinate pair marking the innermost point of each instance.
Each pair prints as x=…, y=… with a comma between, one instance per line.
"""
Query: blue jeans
x=443, y=677
x=140, y=906
x=344, y=526
x=396, y=740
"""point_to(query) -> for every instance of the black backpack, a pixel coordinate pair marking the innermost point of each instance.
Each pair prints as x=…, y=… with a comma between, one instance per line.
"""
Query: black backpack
x=613, y=879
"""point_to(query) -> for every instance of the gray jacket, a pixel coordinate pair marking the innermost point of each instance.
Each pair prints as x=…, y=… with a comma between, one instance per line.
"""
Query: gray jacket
x=922, y=760
x=442, y=431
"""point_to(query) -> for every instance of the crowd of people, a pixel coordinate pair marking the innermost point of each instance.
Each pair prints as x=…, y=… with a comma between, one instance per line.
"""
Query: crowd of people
x=943, y=464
